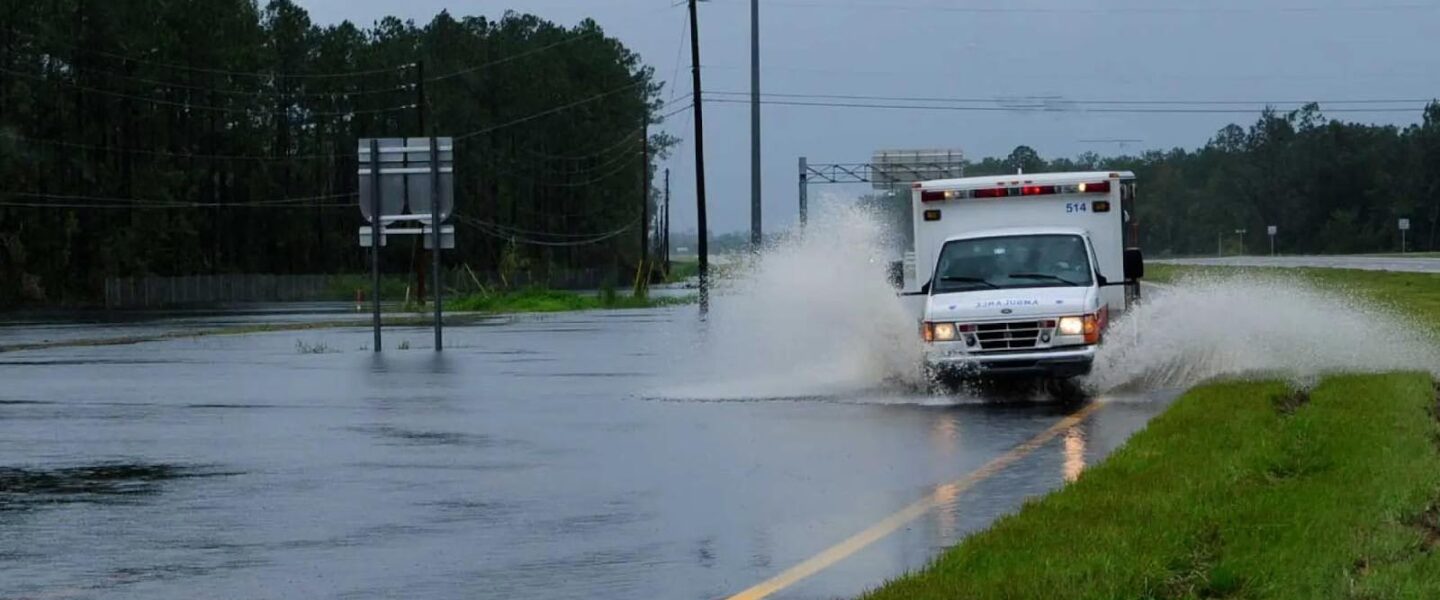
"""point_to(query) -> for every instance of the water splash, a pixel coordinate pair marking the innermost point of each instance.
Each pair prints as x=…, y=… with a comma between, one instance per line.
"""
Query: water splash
x=813, y=315
x=1248, y=324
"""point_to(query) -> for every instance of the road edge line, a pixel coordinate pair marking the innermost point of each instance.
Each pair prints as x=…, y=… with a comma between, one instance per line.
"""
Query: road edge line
x=884, y=527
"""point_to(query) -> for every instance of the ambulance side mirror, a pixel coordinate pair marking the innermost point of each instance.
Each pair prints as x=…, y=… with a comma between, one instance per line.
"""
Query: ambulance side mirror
x=1134, y=264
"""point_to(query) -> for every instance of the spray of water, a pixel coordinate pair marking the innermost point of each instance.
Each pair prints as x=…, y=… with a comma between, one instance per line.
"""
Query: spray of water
x=1267, y=325
x=813, y=315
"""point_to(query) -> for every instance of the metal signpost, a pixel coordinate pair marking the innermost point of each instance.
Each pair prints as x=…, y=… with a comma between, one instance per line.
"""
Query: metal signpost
x=1272, y=230
x=1404, y=227
x=392, y=172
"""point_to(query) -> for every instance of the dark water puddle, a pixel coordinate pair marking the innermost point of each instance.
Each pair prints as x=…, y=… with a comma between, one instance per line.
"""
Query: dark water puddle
x=68, y=362
x=415, y=437
x=468, y=467
x=479, y=511
x=621, y=374
x=22, y=488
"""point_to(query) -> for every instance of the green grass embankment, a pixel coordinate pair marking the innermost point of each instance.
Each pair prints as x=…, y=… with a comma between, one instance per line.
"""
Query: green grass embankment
x=682, y=270
x=1239, y=490
x=540, y=300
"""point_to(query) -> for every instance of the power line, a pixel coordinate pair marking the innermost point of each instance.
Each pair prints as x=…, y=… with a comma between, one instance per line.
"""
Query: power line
x=104, y=202
x=1063, y=101
x=179, y=67
x=625, y=165
x=254, y=92
x=628, y=138
x=1043, y=109
x=546, y=113
x=1137, y=10
x=185, y=155
x=676, y=112
x=498, y=226
x=501, y=234
x=396, y=69
x=679, y=53
x=623, y=141
x=513, y=57
x=6, y=204
x=193, y=106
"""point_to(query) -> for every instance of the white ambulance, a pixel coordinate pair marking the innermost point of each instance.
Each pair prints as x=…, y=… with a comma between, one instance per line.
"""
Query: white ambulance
x=1019, y=275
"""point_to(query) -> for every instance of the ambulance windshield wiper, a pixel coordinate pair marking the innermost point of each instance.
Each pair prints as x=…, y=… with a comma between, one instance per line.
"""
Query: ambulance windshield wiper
x=1042, y=276
x=960, y=279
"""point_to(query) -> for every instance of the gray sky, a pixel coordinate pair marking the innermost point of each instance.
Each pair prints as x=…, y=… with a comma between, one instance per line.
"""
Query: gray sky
x=1094, y=50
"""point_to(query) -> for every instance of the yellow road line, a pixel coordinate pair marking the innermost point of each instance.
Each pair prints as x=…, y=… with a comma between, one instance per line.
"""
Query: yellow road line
x=888, y=525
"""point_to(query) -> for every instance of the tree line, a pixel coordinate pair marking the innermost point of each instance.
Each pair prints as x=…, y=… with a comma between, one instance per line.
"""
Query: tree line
x=176, y=137
x=1329, y=186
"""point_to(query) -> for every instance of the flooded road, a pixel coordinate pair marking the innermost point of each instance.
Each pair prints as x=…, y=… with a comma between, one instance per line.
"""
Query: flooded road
x=538, y=457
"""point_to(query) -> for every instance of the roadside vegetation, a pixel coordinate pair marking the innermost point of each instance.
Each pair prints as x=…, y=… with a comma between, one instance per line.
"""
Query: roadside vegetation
x=1241, y=489
x=682, y=270
x=542, y=300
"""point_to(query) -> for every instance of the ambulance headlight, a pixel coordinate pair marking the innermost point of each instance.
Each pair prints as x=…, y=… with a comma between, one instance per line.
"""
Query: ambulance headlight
x=944, y=332
x=1072, y=326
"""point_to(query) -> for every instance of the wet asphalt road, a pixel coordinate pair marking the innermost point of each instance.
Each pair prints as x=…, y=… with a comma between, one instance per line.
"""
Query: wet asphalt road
x=1368, y=263
x=534, y=458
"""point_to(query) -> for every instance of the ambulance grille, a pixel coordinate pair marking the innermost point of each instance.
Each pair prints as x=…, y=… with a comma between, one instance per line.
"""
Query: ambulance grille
x=1009, y=335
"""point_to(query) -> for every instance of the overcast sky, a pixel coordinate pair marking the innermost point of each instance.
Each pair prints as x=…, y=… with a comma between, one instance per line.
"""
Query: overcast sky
x=1248, y=51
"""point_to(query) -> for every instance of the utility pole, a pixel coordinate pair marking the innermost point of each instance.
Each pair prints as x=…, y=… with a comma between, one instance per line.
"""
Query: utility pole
x=644, y=206
x=698, y=106
x=665, y=232
x=755, y=231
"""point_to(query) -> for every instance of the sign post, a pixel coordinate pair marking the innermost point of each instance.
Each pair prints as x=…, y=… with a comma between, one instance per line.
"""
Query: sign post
x=387, y=183
x=1404, y=227
x=375, y=226
x=1272, y=230
x=435, y=231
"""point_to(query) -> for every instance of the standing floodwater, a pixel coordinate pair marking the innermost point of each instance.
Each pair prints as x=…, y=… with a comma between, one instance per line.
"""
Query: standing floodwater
x=531, y=460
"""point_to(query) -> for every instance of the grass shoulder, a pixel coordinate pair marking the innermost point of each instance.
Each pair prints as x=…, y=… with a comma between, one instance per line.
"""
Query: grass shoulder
x=544, y=300
x=1240, y=489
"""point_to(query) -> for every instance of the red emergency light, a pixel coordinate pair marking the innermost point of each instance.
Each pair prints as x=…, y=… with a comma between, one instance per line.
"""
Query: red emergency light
x=1000, y=191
